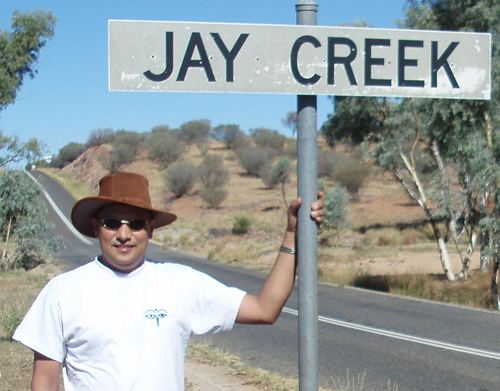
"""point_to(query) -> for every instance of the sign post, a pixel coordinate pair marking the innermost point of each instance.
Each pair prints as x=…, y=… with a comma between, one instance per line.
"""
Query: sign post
x=307, y=248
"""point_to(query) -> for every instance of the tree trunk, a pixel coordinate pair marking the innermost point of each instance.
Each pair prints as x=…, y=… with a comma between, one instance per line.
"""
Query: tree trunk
x=420, y=197
x=9, y=226
x=494, y=285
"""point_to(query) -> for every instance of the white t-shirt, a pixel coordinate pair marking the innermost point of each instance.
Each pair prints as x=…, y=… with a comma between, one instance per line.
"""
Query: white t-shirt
x=114, y=331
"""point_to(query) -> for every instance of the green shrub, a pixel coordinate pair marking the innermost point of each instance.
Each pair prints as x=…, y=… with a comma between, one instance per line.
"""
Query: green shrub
x=352, y=174
x=194, y=131
x=335, y=208
x=254, y=159
x=278, y=173
x=230, y=134
x=181, y=177
x=241, y=225
x=213, y=196
x=213, y=177
x=268, y=138
x=164, y=147
x=212, y=172
x=10, y=318
x=120, y=155
x=99, y=137
x=70, y=152
x=327, y=162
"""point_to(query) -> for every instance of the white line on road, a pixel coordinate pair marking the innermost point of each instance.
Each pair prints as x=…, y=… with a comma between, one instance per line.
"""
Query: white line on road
x=58, y=211
x=404, y=337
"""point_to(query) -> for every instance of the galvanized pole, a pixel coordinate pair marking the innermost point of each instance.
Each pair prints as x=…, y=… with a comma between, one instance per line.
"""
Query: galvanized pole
x=307, y=231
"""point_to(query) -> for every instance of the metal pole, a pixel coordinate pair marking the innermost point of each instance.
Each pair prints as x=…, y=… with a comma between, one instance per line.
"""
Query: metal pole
x=307, y=247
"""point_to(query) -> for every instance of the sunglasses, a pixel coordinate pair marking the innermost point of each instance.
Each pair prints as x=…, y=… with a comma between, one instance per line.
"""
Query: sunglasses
x=114, y=224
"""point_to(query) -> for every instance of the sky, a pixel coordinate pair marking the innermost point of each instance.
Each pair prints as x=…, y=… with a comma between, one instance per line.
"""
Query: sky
x=69, y=97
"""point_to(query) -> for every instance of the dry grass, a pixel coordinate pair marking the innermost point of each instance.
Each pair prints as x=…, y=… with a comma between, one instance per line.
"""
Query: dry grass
x=261, y=379
x=18, y=289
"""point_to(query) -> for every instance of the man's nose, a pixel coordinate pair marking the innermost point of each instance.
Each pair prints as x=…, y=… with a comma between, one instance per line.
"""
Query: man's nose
x=124, y=232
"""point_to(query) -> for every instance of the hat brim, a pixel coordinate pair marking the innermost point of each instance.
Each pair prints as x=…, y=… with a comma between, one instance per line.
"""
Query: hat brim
x=85, y=209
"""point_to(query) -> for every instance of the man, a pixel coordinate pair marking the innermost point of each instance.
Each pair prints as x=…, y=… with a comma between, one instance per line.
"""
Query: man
x=123, y=322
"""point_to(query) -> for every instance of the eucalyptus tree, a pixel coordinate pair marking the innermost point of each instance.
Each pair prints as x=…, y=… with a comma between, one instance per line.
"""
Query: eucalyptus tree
x=20, y=49
x=445, y=153
x=24, y=224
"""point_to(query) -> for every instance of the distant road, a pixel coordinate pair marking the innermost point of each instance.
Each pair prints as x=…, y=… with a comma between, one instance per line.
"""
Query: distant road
x=381, y=339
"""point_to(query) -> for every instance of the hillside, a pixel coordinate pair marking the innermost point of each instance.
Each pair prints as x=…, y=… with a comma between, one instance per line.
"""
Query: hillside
x=382, y=205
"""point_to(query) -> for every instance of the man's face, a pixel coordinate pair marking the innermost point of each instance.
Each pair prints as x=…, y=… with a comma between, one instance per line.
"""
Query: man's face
x=123, y=248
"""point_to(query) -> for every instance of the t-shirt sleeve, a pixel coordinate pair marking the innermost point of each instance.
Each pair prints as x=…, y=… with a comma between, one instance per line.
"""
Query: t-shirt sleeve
x=41, y=329
x=216, y=305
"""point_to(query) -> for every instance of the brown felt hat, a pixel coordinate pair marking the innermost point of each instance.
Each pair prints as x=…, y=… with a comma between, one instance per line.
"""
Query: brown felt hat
x=123, y=188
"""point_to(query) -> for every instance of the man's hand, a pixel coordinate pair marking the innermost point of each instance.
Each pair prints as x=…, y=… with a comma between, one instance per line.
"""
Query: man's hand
x=316, y=212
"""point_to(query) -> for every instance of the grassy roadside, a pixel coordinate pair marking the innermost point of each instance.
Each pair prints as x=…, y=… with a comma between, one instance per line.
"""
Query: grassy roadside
x=18, y=289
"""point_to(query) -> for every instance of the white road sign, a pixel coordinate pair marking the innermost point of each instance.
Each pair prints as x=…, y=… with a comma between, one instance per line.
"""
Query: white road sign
x=291, y=59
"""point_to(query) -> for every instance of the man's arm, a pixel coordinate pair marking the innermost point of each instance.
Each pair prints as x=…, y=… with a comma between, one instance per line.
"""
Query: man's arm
x=265, y=307
x=45, y=374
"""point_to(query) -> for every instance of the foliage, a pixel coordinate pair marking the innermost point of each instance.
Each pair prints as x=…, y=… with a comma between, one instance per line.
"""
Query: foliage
x=230, y=134
x=23, y=219
x=335, y=207
x=164, y=147
x=20, y=49
x=70, y=152
x=213, y=196
x=181, y=177
x=212, y=172
x=100, y=136
x=195, y=131
x=241, y=225
x=120, y=155
x=254, y=159
x=327, y=163
x=354, y=119
x=459, y=137
x=213, y=177
x=351, y=173
x=268, y=138
x=13, y=150
x=290, y=121
x=278, y=173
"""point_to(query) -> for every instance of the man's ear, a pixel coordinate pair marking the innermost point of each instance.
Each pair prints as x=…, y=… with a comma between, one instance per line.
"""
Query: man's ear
x=95, y=226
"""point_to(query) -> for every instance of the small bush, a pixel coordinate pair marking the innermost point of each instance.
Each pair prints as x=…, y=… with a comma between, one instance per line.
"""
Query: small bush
x=164, y=147
x=278, y=173
x=213, y=196
x=194, y=131
x=213, y=177
x=352, y=174
x=181, y=177
x=10, y=318
x=335, y=208
x=120, y=155
x=99, y=137
x=268, y=138
x=254, y=159
x=70, y=152
x=241, y=225
x=231, y=135
x=327, y=162
x=212, y=172
x=290, y=149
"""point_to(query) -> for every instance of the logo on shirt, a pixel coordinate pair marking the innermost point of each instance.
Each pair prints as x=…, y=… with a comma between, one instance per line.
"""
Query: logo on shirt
x=156, y=314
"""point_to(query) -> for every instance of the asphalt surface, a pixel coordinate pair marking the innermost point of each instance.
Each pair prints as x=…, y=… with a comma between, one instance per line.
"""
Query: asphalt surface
x=387, y=341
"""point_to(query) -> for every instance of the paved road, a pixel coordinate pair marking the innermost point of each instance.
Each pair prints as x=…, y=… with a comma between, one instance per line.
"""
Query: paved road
x=415, y=345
